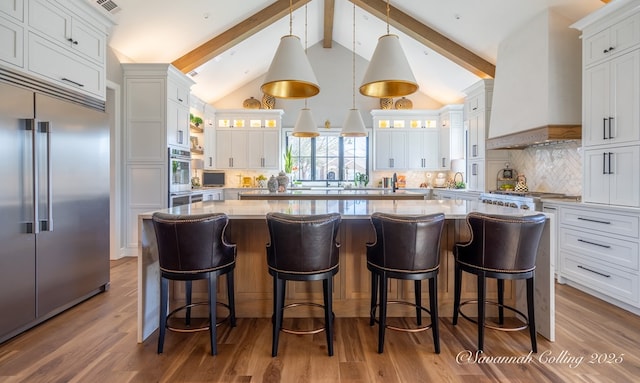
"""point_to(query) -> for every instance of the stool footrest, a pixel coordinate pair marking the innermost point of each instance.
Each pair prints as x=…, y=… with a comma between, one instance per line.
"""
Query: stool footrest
x=200, y=328
x=403, y=329
x=499, y=328
x=305, y=332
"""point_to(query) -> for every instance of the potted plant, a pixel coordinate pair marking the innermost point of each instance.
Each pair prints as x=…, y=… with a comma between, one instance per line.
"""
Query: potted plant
x=195, y=120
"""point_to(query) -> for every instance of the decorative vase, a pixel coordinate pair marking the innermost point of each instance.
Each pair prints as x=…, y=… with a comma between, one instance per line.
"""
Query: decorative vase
x=272, y=184
x=268, y=101
x=386, y=103
x=283, y=181
x=251, y=103
x=404, y=103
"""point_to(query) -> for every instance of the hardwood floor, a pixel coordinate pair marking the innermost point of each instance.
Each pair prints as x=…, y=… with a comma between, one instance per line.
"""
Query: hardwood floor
x=96, y=342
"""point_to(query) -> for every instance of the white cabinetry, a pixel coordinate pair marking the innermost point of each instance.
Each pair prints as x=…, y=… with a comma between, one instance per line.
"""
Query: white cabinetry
x=148, y=106
x=612, y=94
x=12, y=32
x=451, y=135
x=406, y=139
x=209, y=138
x=482, y=164
x=611, y=117
x=617, y=38
x=248, y=139
x=612, y=175
x=598, y=252
x=62, y=42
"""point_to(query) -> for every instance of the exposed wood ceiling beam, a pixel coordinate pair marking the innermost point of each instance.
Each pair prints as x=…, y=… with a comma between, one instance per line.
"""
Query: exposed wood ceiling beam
x=236, y=34
x=429, y=37
x=329, y=10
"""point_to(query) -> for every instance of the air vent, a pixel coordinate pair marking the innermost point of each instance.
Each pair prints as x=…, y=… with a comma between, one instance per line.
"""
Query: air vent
x=108, y=5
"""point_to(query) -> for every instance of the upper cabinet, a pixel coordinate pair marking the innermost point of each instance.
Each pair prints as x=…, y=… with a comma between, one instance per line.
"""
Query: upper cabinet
x=611, y=117
x=407, y=140
x=248, y=139
x=611, y=40
x=62, y=42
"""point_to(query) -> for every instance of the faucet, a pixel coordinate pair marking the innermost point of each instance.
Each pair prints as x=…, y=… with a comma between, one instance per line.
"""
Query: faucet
x=394, y=182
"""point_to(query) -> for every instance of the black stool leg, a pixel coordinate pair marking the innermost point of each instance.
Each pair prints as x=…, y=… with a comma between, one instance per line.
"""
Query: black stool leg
x=164, y=302
x=500, y=301
x=531, y=313
x=433, y=307
x=382, y=321
x=374, y=297
x=481, y=299
x=231, y=299
x=213, y=291
x=456, y=295
x=188, y=290
x=278, y=303
x=327, y=285
x=417, y=286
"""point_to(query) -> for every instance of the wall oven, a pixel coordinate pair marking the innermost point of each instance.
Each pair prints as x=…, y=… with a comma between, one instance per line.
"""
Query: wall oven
x=179, y=170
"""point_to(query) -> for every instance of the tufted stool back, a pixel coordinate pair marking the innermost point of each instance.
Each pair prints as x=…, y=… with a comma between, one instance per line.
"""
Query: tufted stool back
x=502, y=243
x=191, y=244
x=303, y=244
x=406, y=243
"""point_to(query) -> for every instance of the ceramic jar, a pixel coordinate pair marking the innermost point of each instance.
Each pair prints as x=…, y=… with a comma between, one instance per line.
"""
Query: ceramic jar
x=272, y=184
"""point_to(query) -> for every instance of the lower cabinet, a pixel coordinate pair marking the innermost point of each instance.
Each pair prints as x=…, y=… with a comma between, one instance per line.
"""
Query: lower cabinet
x=598, y=251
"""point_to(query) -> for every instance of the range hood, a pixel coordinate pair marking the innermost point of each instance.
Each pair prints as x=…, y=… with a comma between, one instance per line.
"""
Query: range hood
x=537, y=94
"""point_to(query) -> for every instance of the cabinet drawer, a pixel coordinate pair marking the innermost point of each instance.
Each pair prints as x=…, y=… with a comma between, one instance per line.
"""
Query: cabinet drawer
x=606, y=280
x=65, y=68
x=13, y=8
x=619, y=224
x=601, y=249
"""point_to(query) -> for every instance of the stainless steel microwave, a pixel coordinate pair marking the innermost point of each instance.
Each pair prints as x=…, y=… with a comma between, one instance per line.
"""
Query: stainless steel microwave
x=212, y=178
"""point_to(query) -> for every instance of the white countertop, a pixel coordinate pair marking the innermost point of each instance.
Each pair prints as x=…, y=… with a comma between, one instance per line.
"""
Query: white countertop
x=349, y=209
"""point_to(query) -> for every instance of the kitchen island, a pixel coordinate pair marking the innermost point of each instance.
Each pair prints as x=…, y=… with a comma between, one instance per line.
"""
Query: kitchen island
x=253, y=284
x=332, y=194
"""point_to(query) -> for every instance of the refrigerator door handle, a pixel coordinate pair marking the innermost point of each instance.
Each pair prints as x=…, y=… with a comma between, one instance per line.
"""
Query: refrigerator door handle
x=47, y=224
x=32, y=227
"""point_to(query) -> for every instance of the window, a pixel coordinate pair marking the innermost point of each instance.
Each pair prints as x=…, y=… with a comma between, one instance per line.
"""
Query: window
x=328, y=157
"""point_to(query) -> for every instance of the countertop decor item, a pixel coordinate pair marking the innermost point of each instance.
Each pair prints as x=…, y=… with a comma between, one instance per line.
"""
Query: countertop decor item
x=272, y=184
x=251, y=103
x=283, y=181
x=386, y=103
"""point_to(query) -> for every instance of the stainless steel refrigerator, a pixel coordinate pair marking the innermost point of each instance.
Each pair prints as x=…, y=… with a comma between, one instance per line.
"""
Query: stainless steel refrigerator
x=54, y=205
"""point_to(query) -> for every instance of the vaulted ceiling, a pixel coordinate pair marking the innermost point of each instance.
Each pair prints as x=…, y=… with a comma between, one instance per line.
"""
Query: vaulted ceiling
x=225, y=45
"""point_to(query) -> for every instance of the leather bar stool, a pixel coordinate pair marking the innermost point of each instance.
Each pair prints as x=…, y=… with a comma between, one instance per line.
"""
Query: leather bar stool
x=501, y=247
x=302, y=248
x=406, y=248
x=192, y=247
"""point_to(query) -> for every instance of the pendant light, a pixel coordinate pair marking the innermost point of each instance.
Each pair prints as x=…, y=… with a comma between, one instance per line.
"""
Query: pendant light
x=290, y=74
x=305, y=124
x=353, y=125
x=388, y=73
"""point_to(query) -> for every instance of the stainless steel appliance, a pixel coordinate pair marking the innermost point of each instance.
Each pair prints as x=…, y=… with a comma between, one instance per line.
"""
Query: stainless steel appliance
x=179, y=170
x=519, y=200
x=54, y=202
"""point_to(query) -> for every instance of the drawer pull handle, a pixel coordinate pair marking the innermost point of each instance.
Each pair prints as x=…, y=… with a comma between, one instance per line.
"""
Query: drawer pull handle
x=594, y=244
x=595, y=272
x=594, y=220
x=72, y=82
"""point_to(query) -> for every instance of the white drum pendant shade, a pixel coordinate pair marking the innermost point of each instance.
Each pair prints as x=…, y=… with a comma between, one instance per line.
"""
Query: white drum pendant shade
x=290, y=74
x=353, y=125
x=305, y=125
x=388, y=73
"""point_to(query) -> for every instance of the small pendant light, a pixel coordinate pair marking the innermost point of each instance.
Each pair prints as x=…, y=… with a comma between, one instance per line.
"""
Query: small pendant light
x=388, y=73
x=305, y=124
x=290, y=74
x=353, y=125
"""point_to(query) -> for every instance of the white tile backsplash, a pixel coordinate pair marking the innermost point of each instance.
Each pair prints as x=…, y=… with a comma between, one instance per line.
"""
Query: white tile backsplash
x=553, y=168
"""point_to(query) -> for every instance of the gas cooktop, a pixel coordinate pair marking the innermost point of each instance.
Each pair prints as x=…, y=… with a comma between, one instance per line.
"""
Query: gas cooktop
x=535, y=194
